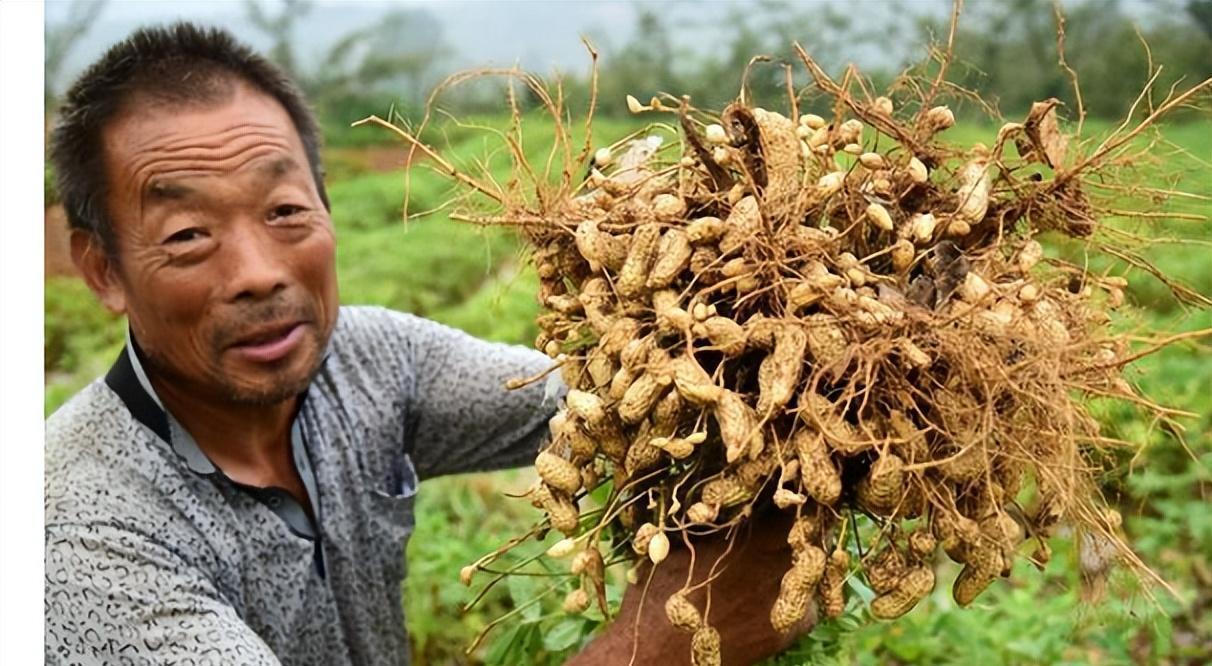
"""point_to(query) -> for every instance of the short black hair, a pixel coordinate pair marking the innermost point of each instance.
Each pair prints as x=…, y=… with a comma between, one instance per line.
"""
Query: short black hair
x=178, y=63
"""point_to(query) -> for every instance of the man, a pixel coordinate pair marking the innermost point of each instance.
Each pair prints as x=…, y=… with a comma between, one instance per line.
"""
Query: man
x=239, y=488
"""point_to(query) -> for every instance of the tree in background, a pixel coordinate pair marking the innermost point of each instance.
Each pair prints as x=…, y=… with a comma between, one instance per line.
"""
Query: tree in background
x=389, y=62
x=1007, y=51
x=399, y=53
x=61, y=38
x=1201, y=13
x=714, y=55
x=643, y=66
x=280, y=28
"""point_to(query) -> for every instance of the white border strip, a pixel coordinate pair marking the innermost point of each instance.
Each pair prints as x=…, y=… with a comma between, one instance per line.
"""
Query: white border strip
x=21, y=305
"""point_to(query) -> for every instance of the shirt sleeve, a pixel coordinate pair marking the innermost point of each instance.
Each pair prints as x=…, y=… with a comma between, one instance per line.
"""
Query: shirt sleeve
x=117, y=597
x=461, y=415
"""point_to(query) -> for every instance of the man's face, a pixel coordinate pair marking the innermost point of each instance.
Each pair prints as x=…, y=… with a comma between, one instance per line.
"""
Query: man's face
x=225, y=251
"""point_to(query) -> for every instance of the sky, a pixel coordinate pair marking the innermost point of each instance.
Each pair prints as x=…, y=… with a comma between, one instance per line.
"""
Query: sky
x=540, y=35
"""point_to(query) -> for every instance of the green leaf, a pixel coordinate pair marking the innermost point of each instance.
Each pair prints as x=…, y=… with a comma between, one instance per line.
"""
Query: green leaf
x=849, y=622
x=523, y=589
x=601, y=494
x=860, y=588
x=565, y=634
x=530, y=639
x=500, y=647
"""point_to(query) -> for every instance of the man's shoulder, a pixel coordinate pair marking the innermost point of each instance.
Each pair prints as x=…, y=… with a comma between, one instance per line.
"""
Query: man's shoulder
x=86, y=425
x=367, y=332
x=100, y=462
x=374, y=323
x=376, y=340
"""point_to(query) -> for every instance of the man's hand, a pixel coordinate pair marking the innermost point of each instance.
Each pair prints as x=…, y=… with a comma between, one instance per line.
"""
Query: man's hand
x=745, y=586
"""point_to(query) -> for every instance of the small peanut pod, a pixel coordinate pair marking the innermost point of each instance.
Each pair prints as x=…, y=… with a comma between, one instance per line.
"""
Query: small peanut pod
x=784, y=498
x=738, y=426
x=620, y=382
x=643, y=537
x=796, y=589
x=936, y=120
x=779, y=372
x=562, y=511
x=913, y=586
x=879, y=217
x=973, y=190
x=819, y=475
x=671, y=317
x=705, y=230
x=642, y=395
x=599, y=248
x=600, y=368
x=588, y=562
x=831, y=591
x=667, y=414
x=827, y=343
x=922, y=544
x=672, y=257
x=903, y=254
x=743, y=223
x=693, y=382
x=705, y=647
x=658, y=548
x=679, y=447
x=600, y=308
x=633, y=276
x=702, y=512
x=703, y=263
x=558, y=472
x=668, y=207
x=723, y=333
x=725, y=491
x=884, y=486
x=1029, y=255
x=598, y=423
x=621, y=331
x=970, y=582
x=885, y=571
x=682, y=614
x=641, y=456
x=576, y=601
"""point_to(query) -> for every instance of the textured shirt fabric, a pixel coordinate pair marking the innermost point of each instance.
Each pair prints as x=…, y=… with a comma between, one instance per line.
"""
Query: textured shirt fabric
x=151, y=560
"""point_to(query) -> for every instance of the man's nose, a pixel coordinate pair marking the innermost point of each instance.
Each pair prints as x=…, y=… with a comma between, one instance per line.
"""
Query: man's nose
x=256, y=266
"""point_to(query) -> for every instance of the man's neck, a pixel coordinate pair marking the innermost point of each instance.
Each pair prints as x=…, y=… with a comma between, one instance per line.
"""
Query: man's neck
x=250, y=444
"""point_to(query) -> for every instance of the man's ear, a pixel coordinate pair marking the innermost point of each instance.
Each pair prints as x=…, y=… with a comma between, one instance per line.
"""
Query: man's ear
x=98, y=271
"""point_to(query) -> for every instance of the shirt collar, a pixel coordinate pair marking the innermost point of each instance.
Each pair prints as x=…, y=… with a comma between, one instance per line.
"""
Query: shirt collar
x=140, y=374
x=129, y=380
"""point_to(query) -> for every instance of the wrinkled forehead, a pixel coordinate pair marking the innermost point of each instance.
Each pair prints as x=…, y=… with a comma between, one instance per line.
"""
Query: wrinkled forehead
x=151, y=134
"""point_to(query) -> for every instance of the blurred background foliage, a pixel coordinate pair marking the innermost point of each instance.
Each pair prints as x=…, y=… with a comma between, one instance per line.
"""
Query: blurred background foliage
x=479, y=280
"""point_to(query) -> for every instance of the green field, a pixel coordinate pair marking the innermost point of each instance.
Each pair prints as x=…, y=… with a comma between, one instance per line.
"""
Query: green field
x=478, y=280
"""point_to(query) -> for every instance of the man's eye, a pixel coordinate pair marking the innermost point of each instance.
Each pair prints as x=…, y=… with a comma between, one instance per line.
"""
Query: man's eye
x=184, y=235
x=285, y=210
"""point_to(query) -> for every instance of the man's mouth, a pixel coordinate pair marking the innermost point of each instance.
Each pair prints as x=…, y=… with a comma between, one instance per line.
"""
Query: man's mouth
x=269, y=343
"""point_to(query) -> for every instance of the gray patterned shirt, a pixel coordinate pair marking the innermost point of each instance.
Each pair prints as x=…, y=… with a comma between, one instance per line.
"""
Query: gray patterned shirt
x=154, y=556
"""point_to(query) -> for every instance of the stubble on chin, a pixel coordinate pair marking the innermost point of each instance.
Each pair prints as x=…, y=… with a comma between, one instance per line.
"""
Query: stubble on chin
x=276, y=392
x=226, y=386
